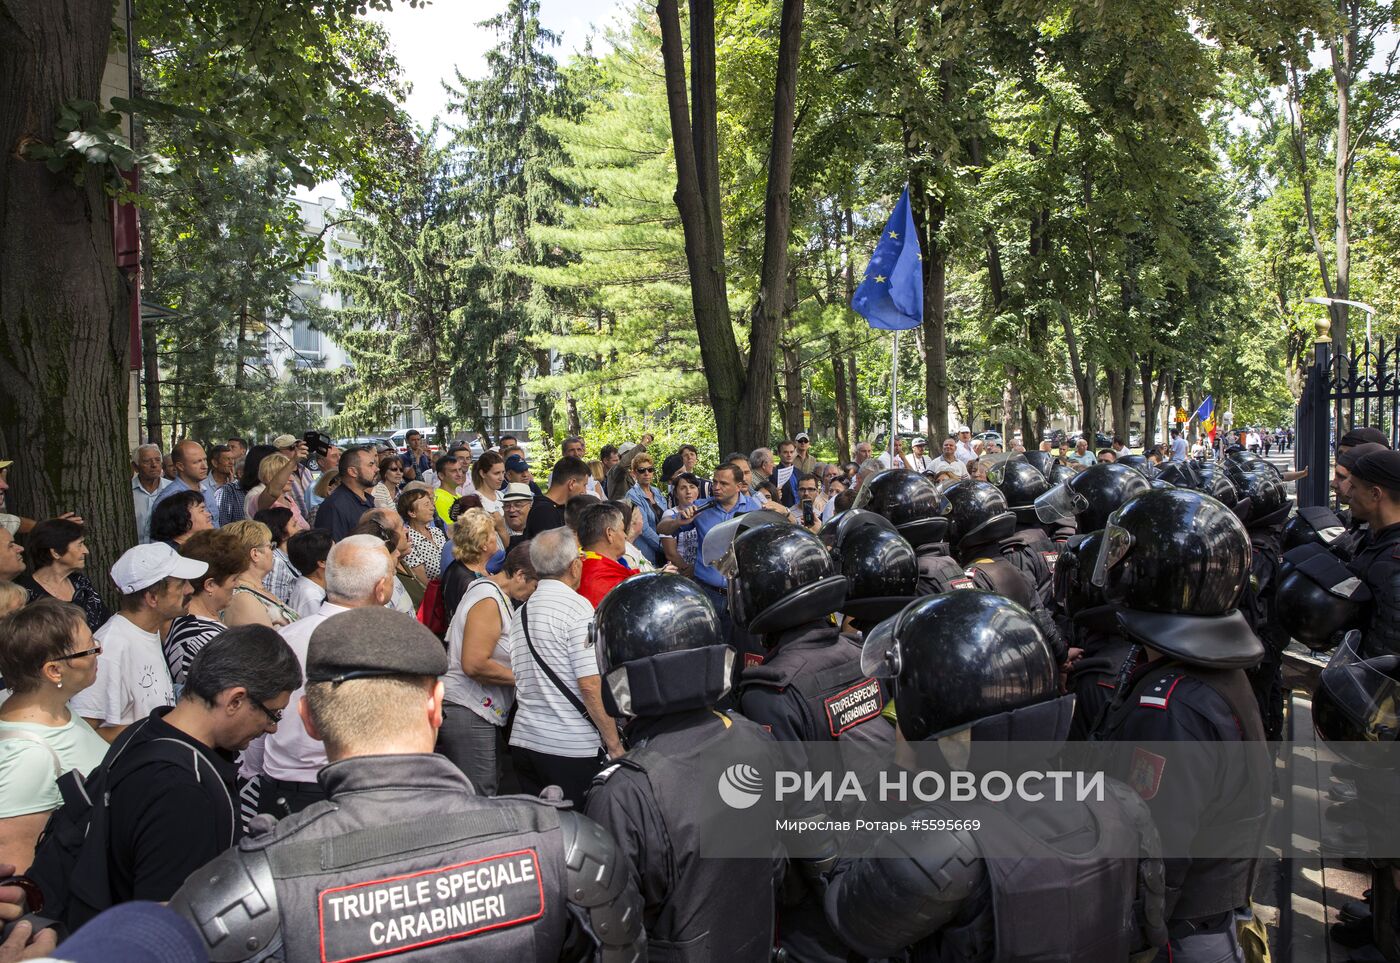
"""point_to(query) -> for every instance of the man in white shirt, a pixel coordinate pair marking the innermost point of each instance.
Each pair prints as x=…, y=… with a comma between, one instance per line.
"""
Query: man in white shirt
x=147, y=483
x=949, y=463
x=918, y=460
x=553, y=742
x=132, y=675
x=1178, y=445
x=862, y=454
x=359, y=573
x=967, y=449
x=884, y=459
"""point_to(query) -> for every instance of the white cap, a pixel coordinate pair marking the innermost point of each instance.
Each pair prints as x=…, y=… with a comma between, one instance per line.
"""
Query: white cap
x=803, y=436
x=919, y=441
x=517, y=492
x=625, y=447
x=964, y=428
x=145, y=565
x=10, y=523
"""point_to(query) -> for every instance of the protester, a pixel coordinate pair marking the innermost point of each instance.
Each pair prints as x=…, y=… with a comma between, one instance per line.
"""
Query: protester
x=804, y=460
x=515, y=508
x=295, y=450
x=479, y=687
x=808, y=493
x=344, y=507
x=949, y=463
x=967, y=449
x=568, y=479
x=191, y=474
x=1178, y=446
x=327, y=483
x=488, y=478
x=307, y=552
x=233, y=497
x=681, y=548
x=761, y=467
x=252, y=603
x=182, y=811
x=276, y=476
x=727, y=501
x=651, y=505
x=58, y=554
x=917, y=460
x=632, y=556
x=561, y=729
x=518, y=473
x=283, y=525
x=426, y=539
x=11, y=556
x=48, y=657
x=359, y=574
x=147, y=483
x=226, y=559
x=603, y=536
x=417, y=460
x=389, y=528
x=450, y=475
x=176, y=517
x=132, y=676
x=391, y=481
x=473, y=544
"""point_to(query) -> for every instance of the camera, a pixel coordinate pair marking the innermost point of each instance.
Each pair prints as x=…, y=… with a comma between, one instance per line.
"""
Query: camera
x=318, y=443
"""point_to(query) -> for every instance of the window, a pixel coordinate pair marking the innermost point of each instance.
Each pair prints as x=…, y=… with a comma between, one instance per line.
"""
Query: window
x=305, y=339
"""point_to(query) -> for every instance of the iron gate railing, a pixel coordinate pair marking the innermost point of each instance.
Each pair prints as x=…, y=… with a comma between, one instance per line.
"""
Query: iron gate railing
x=1361, y=387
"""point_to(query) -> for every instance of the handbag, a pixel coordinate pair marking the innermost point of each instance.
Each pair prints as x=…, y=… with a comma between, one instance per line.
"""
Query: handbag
x=574, y=700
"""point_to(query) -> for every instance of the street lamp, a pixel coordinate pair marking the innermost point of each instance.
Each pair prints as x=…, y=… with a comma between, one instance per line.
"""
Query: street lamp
x=1328, y=302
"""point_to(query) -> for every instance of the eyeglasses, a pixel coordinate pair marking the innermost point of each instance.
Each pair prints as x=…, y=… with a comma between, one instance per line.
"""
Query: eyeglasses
x=95, y=650
x=274, y=714
x=806, y=491
x=644, y=471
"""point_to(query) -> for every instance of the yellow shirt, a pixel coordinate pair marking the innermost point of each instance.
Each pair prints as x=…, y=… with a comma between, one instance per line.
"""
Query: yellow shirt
x=444, y=500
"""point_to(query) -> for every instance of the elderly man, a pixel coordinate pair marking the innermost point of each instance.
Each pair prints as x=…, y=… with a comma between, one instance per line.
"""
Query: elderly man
x=761, y=467
x=949, y=463
x=560, y=723
x=516, y=502
x=967, y=448
x=359, y=573
x=1082, y=455
x=604, y=542
x=862, y=454
x=147, y=484
x=191, y=471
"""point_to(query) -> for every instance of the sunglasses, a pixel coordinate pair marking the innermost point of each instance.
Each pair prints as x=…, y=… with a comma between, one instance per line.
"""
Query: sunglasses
x=644, y=471
x=95, y=650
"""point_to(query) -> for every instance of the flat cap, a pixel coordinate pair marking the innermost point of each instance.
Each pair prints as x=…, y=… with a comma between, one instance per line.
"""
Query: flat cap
x=1379, y=468
x=371, y=642
x=1352, y=455
x=1363, y=436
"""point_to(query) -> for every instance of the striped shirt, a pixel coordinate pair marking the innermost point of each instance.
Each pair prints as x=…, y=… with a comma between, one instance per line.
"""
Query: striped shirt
x=545, y=720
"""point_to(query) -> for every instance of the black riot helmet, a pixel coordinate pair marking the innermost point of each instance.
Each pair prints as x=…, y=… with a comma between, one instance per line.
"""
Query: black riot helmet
x=1179, y=473
x=1139, y=463
x=1313, y=525
x=660, y=647
x=1357, y=702
x=959, y=658
x=911, y=501
x=1317, y=597
x=1041, y=461
x=1092, y=495
x=1074, y=588
x=880, y=567
x=1021, y=483
x=1176, y=562
x=782, y=577
x=1262, y=500
x=1060, y=472
x=1212, y=481
x=716, y=549
x=1245, y=459
x=979, y=515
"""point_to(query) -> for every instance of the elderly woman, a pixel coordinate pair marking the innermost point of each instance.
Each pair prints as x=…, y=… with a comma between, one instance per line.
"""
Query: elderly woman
x=480, y=687
x=252, y=604
x=274, y=488
x=283, y=525
x=176, y=517
x=473, y=544
x=651, y=505
x=227, y=559
x=58, y=555
x=49, y=656
x=386, y=493
x=426, y=539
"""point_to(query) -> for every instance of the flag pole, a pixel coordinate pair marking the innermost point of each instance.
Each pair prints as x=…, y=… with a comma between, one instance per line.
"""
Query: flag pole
x=894, y=394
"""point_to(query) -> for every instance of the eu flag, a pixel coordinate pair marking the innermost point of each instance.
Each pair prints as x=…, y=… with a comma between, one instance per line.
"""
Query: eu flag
x=891, y=296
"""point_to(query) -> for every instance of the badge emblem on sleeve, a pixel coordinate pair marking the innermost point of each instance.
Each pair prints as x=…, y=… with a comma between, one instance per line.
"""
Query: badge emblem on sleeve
x=1145, y=773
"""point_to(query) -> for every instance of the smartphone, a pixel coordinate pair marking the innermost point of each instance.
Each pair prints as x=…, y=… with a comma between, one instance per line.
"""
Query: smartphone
x=809, y=517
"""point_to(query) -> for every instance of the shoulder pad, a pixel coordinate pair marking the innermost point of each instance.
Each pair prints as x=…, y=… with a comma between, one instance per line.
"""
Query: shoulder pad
x=1157, y=694
x=232, y=902
x=599, y=882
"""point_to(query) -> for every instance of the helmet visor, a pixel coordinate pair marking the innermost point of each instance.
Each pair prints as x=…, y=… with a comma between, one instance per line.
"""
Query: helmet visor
x=1116, y=542
x=879, y=655
x=716, y=549
x=1059, y=502
x=1362, y=692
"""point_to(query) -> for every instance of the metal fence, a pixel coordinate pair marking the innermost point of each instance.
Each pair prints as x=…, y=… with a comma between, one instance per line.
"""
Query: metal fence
x=1359, y=387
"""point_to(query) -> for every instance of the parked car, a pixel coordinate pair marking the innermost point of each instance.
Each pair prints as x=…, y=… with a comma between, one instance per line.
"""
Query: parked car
x=1101, y=440
x=399, y=439
x=362, y=441
x=986, y=436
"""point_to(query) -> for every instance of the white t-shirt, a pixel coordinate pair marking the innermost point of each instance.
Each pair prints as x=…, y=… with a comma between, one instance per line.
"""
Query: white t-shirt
x=132, y=676
x=289, y=753
x=545, y=720
x=957, y=467
x=306, y=597
x=28, y=770
x=917, y=462
x=491, y=702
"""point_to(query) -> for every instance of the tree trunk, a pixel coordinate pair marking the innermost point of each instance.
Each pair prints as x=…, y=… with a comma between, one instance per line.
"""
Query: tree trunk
x=792, y=391
x=151, y=362
x=1115, y=400
x=575, y=423
x=843, y=412
x=854, y=393
x=64, y=328
x=1343, y=64
x=544, y=405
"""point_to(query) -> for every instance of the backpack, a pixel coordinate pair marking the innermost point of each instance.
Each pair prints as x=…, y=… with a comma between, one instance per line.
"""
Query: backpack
x=71, y=856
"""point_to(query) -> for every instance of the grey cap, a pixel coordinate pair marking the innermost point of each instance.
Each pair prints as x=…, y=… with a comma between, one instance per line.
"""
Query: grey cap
x=372, y=641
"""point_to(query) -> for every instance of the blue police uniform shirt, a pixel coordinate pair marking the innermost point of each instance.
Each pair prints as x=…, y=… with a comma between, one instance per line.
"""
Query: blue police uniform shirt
x=708, y=519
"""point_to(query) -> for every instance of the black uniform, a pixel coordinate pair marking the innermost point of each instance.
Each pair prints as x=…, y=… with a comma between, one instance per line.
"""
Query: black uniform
x=695, y=908
x=1257, y=606
x=1378, y=565
x=1093, y=677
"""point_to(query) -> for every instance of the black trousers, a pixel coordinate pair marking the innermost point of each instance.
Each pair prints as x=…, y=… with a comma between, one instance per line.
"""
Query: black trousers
x=572, y=774
x=279, y=798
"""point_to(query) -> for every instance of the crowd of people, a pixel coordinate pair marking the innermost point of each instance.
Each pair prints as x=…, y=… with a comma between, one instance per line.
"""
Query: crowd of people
x=312, y=644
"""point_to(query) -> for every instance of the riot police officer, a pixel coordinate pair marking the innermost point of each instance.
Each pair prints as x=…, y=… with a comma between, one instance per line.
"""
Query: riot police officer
x=1176, y=562
x=784, y=586
x=403, y=857
x=974, y=669
x=1375, y=499
x=982, y=530
x=1091, y=495
x=919, y=512
x=1318, y=597
x=1358, y=531
x=1263, y=507
x=664, y=667
x=880, y=567
x=1091, y=626
x=1021, y=483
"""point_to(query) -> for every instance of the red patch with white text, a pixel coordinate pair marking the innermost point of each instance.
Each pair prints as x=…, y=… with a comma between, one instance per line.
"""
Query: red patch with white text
x=752, y=658
x=1145, y=773
x=960, y=583
x=860, y=703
